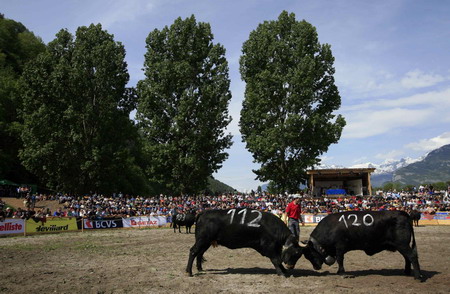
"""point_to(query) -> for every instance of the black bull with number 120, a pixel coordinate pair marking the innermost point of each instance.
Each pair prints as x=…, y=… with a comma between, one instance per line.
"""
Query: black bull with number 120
x=370, y=231
x=245, y=228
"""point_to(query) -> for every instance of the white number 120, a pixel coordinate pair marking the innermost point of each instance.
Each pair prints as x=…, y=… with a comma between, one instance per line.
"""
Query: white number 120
x=367, y=220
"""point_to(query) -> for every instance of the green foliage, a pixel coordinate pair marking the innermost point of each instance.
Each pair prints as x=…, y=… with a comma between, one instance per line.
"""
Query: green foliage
x=398, y=186
x=259, y=190
x=391, y=186
x=287, y=119
x=272, y=188
x=77, y=133
x=440, y=186
x=182, y=110
x=217, y=187
x=17, y=47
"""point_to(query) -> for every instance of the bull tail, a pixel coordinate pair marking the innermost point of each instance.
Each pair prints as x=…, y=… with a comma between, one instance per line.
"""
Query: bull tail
x=197, y=216
x=413, y=244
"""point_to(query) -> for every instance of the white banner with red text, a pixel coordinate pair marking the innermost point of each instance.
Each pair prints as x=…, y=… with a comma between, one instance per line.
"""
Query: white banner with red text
x=144, y=221
x=12, y=226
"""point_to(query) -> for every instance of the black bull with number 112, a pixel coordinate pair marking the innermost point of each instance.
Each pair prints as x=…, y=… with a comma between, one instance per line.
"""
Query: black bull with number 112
x=245, y=228
x=370, y=231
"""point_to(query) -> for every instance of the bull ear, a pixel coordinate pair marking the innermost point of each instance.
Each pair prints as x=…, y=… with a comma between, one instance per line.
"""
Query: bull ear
x=289, y=243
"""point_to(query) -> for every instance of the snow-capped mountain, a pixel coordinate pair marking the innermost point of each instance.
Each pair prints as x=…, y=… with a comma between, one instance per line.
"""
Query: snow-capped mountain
x=384, y=172
x=388, y=166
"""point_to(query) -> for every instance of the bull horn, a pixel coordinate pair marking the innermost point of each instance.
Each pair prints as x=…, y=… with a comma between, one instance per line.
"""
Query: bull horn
x=329, y=260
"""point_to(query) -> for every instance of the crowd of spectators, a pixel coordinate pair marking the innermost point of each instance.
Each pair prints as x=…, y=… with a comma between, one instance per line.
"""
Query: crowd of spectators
x=121, y=205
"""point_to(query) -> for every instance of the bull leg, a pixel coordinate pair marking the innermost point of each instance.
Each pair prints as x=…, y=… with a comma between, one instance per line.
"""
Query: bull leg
x=407, y=266
x=411, y=257
x=193, y=252
x=196, y=251
x=192, y=255
x=200, y=259
x=340, y=261
x=276, y=261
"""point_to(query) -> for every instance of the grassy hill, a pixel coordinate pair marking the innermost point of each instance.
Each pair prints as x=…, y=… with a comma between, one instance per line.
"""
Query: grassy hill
x=216, y=186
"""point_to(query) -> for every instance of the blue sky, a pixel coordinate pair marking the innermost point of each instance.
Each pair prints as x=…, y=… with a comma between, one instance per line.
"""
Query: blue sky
x=392, y=61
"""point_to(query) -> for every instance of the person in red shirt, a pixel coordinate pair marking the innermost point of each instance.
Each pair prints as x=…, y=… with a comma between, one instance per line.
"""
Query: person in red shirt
x=293, y=212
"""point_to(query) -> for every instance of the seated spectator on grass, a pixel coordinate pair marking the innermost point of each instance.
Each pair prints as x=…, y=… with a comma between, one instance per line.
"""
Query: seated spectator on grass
x=59, y=213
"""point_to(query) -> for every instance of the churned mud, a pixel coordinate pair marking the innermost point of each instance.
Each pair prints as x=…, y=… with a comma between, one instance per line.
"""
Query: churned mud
x=154, y=261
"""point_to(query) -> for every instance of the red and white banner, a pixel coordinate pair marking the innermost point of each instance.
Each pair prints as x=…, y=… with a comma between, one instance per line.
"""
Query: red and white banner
x=12, y=226
x=313, y=219
x=144, y=221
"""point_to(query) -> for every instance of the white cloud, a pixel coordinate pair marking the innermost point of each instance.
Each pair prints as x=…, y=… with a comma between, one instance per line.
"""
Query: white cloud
x=110, y=13
x=361, y=80
x=368, y=123
x=418, y=79
x=430, y=144
x=432, y=99
x=359, y=160
x=325, y=159
x=379, y=116
x=391, y=155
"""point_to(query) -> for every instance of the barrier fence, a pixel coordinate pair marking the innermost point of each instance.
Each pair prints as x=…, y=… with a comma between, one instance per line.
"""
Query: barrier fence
x=13, y=226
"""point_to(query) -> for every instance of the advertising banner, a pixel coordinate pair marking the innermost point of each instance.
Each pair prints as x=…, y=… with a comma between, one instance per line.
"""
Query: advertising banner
x=12, y=226
x=103, y=224
x=52, y=225
x=313, y=219
x=436, y=216
x=144, y=221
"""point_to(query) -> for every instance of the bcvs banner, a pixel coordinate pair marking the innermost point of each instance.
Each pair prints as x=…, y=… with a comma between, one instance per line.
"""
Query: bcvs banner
x=103, y=224
x=313, y=219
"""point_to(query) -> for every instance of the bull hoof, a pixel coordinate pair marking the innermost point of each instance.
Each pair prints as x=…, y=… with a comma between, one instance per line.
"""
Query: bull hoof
x=420, y=278
x=188, y=274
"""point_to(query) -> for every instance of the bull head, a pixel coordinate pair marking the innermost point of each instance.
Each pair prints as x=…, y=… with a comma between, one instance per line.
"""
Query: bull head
x=329, y=260
x=291, y=252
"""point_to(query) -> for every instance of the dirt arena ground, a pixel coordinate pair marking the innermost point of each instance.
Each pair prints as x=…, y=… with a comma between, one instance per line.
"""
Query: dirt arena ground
x=154, y=261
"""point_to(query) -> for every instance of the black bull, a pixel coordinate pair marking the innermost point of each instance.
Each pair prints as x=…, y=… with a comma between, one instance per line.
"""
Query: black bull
x=415, y=216
x=370, y=231
x=245, y=228
x=183, y=219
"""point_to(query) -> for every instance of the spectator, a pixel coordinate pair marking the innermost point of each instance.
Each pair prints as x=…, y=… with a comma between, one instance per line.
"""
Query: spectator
x=293, y=212
x=9, y=213
x=59, y=213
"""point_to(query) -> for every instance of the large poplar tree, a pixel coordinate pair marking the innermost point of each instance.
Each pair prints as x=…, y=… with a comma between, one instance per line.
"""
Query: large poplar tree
x=78, y=136
x=183, y=105
x=288, y=117
x=17, y=47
